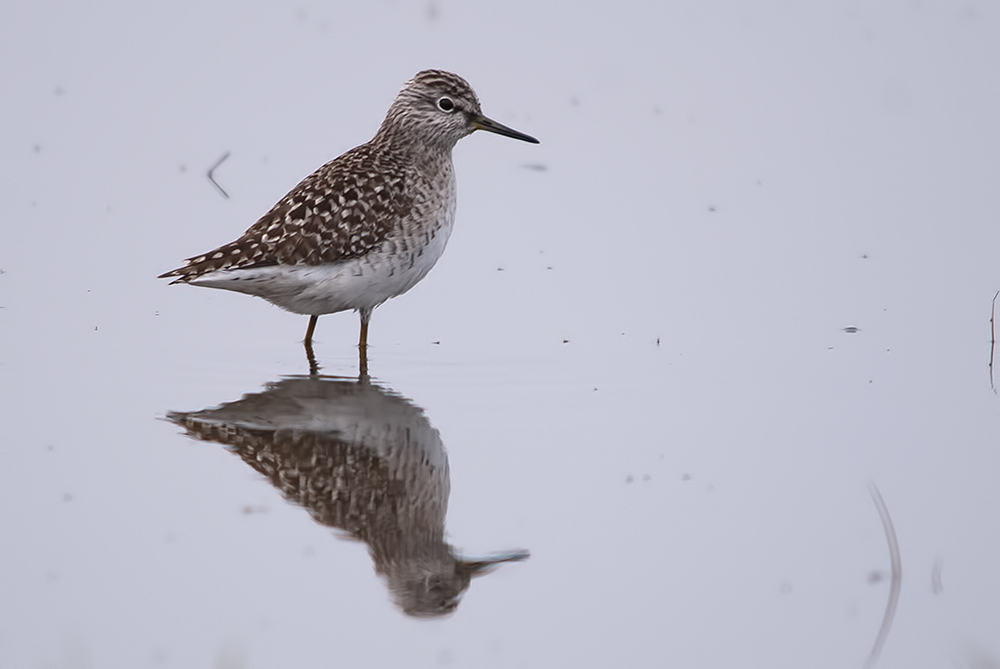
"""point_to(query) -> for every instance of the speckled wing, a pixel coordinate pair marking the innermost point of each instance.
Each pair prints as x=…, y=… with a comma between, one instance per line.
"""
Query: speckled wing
x=342, y=210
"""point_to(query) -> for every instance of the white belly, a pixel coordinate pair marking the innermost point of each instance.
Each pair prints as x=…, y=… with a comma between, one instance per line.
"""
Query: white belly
x=358, y=283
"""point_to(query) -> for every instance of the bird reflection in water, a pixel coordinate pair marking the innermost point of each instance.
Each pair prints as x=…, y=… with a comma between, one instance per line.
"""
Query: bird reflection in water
x=361, y=459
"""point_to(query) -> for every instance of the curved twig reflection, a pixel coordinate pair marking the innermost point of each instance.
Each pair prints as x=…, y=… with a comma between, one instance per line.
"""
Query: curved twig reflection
x=897, y=575
x=361, y=459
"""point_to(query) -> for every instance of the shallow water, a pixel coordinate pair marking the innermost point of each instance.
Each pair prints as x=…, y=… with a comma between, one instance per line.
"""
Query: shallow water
x=747, y=273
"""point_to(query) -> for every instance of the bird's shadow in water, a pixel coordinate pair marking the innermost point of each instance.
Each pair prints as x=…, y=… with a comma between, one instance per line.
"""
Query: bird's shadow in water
x=360, y=458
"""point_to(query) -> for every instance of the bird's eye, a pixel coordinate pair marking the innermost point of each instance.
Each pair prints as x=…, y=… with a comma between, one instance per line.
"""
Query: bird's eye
x=445, y=104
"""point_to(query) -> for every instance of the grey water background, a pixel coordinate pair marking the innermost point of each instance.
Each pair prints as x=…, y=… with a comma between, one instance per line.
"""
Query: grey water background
x=639, y=349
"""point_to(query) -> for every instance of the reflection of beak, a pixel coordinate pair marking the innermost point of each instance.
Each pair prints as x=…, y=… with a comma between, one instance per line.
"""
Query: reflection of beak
x=483, y=123
x=486, y=565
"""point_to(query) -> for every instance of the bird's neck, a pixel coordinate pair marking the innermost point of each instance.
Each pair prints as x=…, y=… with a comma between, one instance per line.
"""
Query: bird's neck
x=403, y=133
x=428, y=157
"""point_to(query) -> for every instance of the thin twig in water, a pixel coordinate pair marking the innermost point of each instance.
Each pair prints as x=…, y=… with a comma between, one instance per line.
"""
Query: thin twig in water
x=897, y=576
x=993, y=339
x=212, y=178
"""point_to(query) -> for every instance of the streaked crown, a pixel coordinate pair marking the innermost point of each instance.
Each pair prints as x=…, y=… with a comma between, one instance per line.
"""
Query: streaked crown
x=436, y=109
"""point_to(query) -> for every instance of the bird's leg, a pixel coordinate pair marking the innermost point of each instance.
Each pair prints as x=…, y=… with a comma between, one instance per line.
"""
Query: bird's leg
x=366, y=315
x=310, y=330
x=310, y=356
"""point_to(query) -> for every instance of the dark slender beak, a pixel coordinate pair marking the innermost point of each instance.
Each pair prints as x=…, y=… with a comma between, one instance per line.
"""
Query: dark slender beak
x=483, y=123
x=486, y=565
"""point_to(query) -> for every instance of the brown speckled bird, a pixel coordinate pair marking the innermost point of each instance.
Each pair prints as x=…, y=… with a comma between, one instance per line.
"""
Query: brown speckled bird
x=366, y=226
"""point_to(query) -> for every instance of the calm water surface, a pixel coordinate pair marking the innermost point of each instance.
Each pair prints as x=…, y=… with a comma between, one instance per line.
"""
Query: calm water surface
x=747, y=273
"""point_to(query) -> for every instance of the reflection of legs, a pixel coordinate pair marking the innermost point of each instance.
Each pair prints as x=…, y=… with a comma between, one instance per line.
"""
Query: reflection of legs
x=310, y=356
x=366, y=315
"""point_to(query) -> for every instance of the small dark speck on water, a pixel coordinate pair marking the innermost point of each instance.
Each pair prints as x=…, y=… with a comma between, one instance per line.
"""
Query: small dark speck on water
x=95, y=328
x=876, y=576
x=629, y=479
x=37, y=148
x=436, y=343
x=184, y=168
x=537, y=167
x=864, y=256
x=499, y=269
x=550, y=267
x=850, y=329
x=711, y=208
x=565, y=341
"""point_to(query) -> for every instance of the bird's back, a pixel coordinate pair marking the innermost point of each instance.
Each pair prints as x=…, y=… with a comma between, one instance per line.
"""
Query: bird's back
x=358, y=231
x=343, y=210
